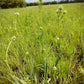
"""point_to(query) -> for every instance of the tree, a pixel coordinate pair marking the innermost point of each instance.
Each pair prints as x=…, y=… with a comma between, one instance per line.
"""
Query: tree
x=12, y=3
x=79, y=0
x=40, y=2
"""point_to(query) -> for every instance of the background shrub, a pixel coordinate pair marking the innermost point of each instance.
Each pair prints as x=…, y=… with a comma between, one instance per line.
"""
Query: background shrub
x=12, y=3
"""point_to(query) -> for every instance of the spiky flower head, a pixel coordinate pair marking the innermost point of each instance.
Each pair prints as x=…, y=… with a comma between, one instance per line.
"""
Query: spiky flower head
x=27, y=53
x=17, y=13
x=65, y=11
x=60, y=7
x=54, y=68
x=13, y=38
x=41, y=28
x=57, y=11
x=57, y=38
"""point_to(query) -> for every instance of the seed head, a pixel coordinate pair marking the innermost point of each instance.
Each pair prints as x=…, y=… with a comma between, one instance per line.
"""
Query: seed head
x=41, y=28
x=27, y=53
x=65, y=11
x=13, y=38
x=57, y=38
x=44, y=49
x=17, y=13
x=60, y=7
x=57, y=11
x=54, y=68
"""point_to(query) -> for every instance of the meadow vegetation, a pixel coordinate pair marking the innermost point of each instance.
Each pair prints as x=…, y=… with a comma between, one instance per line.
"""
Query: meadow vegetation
x=42, y=45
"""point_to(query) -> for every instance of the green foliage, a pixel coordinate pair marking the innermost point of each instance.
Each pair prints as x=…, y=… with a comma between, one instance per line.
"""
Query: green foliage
x=12, y=3
x=16, y=80
x=43, y=46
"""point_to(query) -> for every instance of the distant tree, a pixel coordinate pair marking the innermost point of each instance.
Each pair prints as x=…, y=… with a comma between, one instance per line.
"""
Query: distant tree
x=67, y=0
x=79, y=0
x=41, y=1
x=12, y=3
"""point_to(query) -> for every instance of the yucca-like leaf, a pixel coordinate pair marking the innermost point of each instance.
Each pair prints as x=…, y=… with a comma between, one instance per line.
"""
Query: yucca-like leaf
x=15, y=80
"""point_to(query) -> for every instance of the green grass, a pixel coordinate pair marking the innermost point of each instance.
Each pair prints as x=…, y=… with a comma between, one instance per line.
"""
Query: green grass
x=36, y=47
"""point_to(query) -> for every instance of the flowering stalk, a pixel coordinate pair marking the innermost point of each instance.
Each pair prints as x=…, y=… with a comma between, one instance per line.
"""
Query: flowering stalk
x=13, y=38
x=60, y=14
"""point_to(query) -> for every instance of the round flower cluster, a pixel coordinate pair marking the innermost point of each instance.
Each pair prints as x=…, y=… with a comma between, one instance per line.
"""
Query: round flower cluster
x=60, y=7
x=54, y=68
x=64, y=12
x=17, y=13
x=27, y=53
x=13, y=38
x=41, y=28
x=60, y=10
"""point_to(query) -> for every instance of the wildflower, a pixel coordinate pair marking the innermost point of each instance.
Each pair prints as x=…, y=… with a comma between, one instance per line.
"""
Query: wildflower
x=54, y=68
x=57, y=11
x=57, y=38
x=43, y=49
x=27, y=53
x=60, y=7
x=41, y=28
x=13, y=38
x=65, y=11
x=17, y=13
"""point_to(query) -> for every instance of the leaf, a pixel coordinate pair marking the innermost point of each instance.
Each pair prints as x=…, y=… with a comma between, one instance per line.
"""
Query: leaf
x=16, y=80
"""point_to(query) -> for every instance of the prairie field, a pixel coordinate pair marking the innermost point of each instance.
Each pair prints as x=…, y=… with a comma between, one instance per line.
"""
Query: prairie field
x=42, y=44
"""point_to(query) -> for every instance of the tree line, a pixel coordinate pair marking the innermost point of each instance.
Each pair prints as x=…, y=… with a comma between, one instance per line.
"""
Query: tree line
x=55, y=2
x=12, y=3
x=22, y=3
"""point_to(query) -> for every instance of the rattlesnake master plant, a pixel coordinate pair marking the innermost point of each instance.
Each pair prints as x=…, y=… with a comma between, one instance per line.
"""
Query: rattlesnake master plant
x=60, y=12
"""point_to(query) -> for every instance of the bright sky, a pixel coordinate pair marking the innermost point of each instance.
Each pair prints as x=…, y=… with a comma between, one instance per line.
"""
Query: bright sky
x=38, y=0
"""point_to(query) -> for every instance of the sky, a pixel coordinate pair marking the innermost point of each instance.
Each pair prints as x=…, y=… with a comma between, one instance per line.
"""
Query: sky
x=38, y=0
